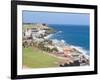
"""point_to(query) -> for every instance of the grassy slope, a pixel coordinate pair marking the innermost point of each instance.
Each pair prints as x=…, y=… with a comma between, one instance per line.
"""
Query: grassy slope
x=35, y=58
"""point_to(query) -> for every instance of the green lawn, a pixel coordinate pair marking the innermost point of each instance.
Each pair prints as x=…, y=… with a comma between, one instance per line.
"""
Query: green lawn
x=35, y=58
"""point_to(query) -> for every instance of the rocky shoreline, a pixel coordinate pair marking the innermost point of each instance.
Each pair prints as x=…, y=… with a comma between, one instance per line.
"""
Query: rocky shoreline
x=38, y=37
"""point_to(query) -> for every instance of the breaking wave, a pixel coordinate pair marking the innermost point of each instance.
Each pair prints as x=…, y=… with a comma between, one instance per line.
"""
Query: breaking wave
x=49, y=36
x=64, y=43
x=52, y=35
x=80, y=49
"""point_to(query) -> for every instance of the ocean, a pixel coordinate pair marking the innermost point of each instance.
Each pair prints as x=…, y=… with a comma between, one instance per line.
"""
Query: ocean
x=75, y=35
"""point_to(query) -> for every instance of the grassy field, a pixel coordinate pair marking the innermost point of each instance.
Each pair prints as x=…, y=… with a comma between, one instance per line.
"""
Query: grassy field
x=35, y=58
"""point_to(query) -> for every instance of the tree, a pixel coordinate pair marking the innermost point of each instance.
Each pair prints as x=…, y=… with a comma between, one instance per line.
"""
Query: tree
x=54, y=49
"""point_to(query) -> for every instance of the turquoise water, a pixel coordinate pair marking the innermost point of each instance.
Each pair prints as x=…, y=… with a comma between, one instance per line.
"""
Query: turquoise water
x=72, y=34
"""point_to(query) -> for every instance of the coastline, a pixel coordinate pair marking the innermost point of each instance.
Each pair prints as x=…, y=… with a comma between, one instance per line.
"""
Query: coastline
x=76, y=35
x=42, y=37
x=79, y=48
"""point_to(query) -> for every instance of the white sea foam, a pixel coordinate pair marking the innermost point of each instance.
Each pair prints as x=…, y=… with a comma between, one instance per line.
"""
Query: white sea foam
x=55, y=41
x=58, y=41
x=59, y=31
x=63, y=43
x=82, y=50
x=49, y=36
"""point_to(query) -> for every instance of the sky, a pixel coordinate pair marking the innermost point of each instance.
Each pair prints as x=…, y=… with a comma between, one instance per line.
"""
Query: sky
x=56, y=18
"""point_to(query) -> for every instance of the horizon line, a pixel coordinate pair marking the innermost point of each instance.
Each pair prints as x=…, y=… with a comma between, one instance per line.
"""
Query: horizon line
x=55, y=24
